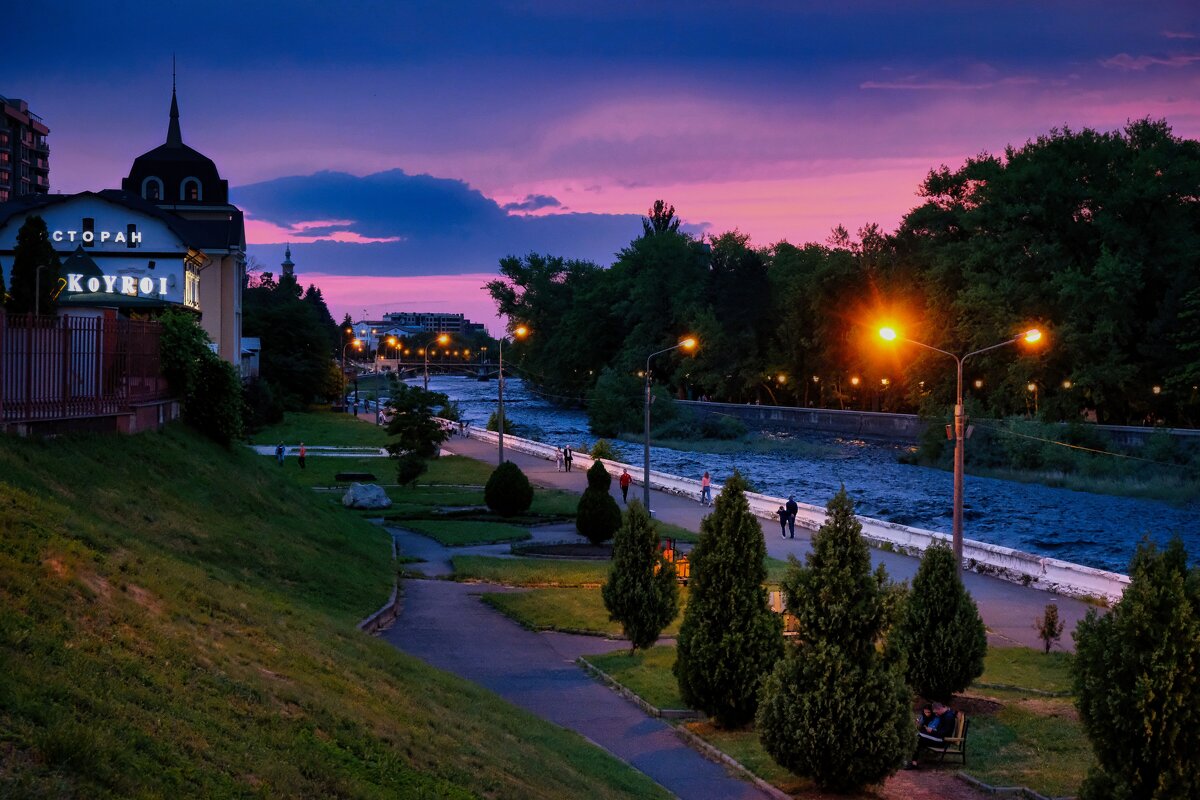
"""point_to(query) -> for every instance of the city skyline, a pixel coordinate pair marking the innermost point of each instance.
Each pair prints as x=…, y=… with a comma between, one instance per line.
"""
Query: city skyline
x=403, y=151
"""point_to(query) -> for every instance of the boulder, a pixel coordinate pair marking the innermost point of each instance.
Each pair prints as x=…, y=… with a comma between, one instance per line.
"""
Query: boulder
x=366, y=495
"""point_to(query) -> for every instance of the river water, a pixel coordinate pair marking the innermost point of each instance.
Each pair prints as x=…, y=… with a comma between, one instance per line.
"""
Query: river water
x=1093, y=529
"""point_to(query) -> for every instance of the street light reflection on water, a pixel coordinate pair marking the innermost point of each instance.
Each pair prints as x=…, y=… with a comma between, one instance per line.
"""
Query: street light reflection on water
x=1097, y=530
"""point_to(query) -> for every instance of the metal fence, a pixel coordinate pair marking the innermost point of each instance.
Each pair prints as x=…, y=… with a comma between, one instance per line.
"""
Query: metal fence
x=69, y=367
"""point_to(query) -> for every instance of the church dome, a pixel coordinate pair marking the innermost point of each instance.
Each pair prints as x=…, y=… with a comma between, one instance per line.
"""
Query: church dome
x=175, y=174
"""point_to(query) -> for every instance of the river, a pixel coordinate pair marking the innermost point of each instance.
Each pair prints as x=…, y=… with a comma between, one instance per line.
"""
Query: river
x=1093, y=529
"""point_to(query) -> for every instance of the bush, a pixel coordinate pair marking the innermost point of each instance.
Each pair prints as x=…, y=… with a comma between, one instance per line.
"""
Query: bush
x=615, y=404
x=603, y=449
x=508, y=492
x=940, y=630
x=1049, y=627
x=729, y=639
x=835, y=708
x=1137, y=682
x=211, y=389
x=263, y=406
x=598, y=516
x=493, y=424
x=641, y=593
x=451, y=411
x=412, y=422
x=409, y=467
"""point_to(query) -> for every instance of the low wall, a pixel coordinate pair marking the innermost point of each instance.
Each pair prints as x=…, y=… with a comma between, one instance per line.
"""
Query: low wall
x=1047, y=574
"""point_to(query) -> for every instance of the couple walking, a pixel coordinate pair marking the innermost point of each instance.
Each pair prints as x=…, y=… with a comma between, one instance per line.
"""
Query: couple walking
x=563, y=458
x=787, y=518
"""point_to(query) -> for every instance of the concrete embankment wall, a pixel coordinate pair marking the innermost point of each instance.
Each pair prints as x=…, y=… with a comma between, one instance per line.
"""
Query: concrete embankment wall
x=1048, y=574
x=898, y=427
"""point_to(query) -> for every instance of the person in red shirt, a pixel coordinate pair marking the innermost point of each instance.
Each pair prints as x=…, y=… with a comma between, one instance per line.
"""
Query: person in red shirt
x=302, y=453
x=625, y=481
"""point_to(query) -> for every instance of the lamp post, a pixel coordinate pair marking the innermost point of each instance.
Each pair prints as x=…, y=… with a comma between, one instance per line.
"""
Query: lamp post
x=519, y=332
x=355, y=343
x=687, y=344
x=442, y=339
x=1031, y=336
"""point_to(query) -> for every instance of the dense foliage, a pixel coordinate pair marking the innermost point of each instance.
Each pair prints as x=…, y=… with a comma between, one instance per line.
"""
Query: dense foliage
x=940, y=630
x=508, y=492
x=1137, y=682
x=641, y=593
x=210, y=388
x=1089, y=235
x=729, y=639
x=835, y=708
x=29, y=287
x=413, y=423
x=598, y=516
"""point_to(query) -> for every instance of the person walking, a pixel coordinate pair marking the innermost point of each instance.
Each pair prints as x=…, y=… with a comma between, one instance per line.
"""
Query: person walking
x=279, y=452
x=792, y=508
x=567, y=457
x=783, y=521
x=302, y=454
x=625, y=481
x=706, y=489
x=558, y=459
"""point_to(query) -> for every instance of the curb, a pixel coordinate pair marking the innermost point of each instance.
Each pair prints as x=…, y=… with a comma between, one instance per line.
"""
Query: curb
x=621, y=689
x=713, y=754
x=387, y=614
x=1016, y=791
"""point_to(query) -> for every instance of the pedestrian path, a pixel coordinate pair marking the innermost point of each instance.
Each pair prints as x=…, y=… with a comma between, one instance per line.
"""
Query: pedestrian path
x=1008, y=609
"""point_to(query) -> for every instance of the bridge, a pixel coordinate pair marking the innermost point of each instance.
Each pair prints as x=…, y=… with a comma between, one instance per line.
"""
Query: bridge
x=409, y=367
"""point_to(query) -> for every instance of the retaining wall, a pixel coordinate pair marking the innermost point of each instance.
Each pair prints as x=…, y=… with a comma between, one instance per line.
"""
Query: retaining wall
x=1047, y=574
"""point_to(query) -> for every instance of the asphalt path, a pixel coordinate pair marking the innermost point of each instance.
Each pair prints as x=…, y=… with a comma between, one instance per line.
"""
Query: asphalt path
x=1008, y=609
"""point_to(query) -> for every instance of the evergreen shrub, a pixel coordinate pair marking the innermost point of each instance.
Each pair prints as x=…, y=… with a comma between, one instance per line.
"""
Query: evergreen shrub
x=598, y=516
x=835, y=708
x=1137, y=682
x=508, y=492
x=641, y=593
x=940, y=630
x=603, y=449
x=409, y=467
x=729, y=639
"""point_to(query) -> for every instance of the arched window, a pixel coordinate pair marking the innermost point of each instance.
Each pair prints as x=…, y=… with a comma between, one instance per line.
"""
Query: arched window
x=189, y=190
x=152, y=188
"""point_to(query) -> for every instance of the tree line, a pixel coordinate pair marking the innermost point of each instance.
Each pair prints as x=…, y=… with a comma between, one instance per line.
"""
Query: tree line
x=1090, y=236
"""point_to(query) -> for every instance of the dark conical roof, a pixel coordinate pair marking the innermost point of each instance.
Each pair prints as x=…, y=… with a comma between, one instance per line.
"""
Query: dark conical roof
x=172, y=163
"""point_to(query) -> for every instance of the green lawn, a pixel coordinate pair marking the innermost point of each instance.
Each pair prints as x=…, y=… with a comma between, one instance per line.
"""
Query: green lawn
x=458, y=533
x=679, y=534
x=646, y=672
x=1028, y=668
x=322, y=428
x=571, y=610
x=530, y=571
x=177, y=620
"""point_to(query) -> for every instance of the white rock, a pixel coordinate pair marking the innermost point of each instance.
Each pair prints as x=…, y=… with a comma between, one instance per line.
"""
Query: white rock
x=366, y=495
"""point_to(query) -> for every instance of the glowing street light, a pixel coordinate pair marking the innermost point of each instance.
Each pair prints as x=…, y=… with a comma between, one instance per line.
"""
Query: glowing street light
x=1030, y=336
x=688, y=343
x=519, y=332
x=356, y=344
x=442, y=339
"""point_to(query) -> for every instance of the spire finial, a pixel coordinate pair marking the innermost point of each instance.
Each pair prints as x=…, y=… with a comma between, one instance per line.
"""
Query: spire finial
x=174, y=136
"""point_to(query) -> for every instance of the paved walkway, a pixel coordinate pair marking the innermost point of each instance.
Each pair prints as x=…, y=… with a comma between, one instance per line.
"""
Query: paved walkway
x=1008, y=609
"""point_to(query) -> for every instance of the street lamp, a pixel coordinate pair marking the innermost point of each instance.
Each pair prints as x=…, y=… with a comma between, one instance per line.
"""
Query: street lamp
x=519, y=332
x=442, y=339
x=687, y=344
x=1030, y=336
x=355, y=343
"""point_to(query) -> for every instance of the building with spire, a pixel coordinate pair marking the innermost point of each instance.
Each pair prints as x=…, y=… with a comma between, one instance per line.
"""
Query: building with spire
x=287, y=266
x=168, y=238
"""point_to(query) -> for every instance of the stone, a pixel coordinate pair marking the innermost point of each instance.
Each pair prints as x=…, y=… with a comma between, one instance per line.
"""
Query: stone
x=366, y=495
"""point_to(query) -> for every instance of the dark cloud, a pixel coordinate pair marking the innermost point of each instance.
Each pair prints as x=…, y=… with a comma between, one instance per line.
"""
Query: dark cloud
x=442, y=226
x=533, y=202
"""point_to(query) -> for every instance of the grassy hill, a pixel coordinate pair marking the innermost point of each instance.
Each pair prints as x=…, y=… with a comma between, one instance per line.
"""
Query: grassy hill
x=178, y=621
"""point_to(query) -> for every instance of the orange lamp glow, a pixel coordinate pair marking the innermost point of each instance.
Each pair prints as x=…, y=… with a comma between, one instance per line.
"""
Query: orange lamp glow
x=520, y=332
x=444, y=339
x=689, y=343
x=887, y=334
x=1033, y=335
x=854, y=381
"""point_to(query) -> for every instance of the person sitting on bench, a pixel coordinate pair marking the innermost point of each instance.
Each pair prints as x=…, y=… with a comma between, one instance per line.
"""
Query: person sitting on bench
x=933, y=729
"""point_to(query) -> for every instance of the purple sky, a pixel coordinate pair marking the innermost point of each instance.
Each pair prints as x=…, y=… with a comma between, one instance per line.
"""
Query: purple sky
x=405, y=141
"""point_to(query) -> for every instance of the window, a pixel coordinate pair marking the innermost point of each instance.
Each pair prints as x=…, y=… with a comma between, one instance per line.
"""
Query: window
x=152, y=188
x=189, y=190
x=89, y=231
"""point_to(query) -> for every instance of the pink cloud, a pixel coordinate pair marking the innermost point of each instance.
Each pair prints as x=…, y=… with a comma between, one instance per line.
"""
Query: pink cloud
x=1178, y=35
x=1125, y=61
x=260, y=231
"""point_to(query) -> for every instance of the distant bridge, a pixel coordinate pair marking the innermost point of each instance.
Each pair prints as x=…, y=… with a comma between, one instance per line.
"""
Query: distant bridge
x=485, y=371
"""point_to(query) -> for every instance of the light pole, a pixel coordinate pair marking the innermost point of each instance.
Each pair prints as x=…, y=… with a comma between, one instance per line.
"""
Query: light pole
x=355, y=343
x=442, y=339
x=1030, y=336
x=519, y=332
x=687, y=344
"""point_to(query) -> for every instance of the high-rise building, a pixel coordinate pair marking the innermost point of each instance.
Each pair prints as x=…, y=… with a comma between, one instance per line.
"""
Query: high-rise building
x=24, y=153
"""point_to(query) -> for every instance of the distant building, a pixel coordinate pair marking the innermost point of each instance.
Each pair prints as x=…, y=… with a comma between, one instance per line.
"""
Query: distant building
x=288, y=266
x=24, y=153
x=431, y=321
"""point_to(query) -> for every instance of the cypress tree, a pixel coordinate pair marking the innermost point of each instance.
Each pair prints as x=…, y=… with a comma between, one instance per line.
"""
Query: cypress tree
x=1137, y=682
x=641, y=593
x=598, y=516
x=508, y=492
x=33, y=250
x=835, y=708
x=729, y=639
x=940, y=630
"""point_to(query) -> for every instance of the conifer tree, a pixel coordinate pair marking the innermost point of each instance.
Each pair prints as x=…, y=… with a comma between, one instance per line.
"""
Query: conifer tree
x=33, y=250
x=598, y=516
x=641, y=593
x=940, y=630
x=1137, y=682
x=729, y=639
x=835, y=708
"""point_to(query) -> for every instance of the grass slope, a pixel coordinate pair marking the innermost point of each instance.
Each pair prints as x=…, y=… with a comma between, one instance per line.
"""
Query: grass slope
x=178, y=621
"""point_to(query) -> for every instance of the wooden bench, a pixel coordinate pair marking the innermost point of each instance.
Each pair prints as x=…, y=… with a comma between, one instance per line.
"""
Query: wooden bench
x=954, y=746
x=358, y=477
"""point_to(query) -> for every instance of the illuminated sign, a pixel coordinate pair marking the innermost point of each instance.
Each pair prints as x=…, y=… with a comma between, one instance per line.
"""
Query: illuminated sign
x=88, y=237
x=113, y=284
